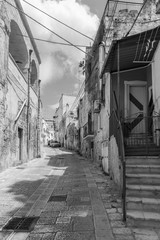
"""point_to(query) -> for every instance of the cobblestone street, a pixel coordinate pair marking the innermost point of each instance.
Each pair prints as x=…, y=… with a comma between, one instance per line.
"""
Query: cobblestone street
x=70, y=198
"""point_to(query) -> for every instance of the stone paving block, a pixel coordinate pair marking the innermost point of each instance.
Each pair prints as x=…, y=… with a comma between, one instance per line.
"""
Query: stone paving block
x=117, y=224
x=77, y=202
x=122, y=230
x=58, y=227
x=124, y=237
x=101, y=222
x=48, y=236
x=86, y=208
x=85, y=199
x=50, y=214
x=56, y=207
x=145, y=237
x=63, y=220
x=98, y=210
x=47, y=221
x=34, y=212
x=35, y=237
x=105, y=196
x=115, y=216
x=111, y=210
x=104, y=235
x=107, y=205
x=144, y=231
x=83, y=223
x=75, y=236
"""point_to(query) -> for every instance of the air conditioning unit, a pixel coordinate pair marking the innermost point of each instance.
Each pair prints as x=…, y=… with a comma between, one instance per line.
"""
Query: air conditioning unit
x=158, y=7
x=97, y=106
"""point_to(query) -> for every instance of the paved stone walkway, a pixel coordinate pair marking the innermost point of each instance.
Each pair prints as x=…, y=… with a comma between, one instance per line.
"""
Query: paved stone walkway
x=72, y=198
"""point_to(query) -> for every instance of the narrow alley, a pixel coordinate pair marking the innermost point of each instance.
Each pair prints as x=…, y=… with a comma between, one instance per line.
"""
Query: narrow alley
x=62, y=196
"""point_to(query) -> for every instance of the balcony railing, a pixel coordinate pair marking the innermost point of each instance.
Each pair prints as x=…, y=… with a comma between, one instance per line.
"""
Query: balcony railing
x=88, y=132
x=143, y=130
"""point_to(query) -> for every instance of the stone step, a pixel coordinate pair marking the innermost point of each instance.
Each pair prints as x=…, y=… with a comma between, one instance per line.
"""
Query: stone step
x=151, y=179
x=130, y=168
x=143, y=160
x=142, y=151
x=149, y=191
x=143, y=204
x=143, y=219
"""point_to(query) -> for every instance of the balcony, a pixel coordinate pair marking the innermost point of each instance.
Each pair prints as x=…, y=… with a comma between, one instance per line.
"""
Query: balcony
x=158, y=7
x=88, y=132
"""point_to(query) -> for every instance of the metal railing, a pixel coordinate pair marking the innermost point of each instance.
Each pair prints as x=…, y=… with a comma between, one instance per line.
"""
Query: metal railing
x=142, y=131
x=117, y=130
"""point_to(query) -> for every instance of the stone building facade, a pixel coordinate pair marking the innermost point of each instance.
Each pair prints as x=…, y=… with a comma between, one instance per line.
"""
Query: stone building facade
x=94, y=108
x=61, y=118
x=19, y=88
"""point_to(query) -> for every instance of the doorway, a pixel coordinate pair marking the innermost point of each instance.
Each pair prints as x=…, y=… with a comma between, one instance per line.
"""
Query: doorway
x=136, y=106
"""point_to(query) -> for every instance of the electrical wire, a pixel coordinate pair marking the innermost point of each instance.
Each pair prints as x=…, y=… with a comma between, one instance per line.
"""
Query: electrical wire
x=59, y=21
x=47, y=28
x=156, y=20
x=48, y=41
x=14, y=89
x=136, y=18
x=110, y=22
x=11, y=81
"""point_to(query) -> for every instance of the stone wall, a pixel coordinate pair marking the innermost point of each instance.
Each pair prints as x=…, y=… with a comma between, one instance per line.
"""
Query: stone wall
x=13, y=95
x=114, y=161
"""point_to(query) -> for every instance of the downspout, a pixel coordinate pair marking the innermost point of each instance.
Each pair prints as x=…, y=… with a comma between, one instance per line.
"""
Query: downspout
x=38, y=121
x=121, y=136
x=101, y=62
x=28, y=105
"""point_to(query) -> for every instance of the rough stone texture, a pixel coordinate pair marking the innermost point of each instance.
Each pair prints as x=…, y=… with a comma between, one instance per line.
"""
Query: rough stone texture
x=13, y=89
x=22, y=189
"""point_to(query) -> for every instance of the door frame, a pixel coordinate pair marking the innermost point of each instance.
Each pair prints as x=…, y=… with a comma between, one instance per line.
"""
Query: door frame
x=129, y=84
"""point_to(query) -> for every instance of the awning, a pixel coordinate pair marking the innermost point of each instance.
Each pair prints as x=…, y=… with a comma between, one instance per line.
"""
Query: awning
x=134, y=51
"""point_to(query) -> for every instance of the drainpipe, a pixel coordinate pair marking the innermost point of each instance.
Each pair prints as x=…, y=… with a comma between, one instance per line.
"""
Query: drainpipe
x=28, y=105
x=101, y=62
x=38, y=121
x=118, y=79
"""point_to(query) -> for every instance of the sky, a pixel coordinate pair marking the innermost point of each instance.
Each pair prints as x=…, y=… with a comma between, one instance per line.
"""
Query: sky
x=59, y=71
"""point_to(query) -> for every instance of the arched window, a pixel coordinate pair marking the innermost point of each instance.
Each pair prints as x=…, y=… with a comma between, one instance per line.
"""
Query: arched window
x=33, y=72
x=17, y=46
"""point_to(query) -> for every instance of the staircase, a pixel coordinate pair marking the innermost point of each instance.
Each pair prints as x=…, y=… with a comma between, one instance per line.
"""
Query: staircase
x=143, y=190
x=141, y=150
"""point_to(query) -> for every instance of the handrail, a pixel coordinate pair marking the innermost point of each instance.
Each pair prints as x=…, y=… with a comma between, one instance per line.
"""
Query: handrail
x=123, y=164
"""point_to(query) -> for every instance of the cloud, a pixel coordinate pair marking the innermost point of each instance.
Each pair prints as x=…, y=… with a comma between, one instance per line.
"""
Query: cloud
x=54, y=106
x=57, y=60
